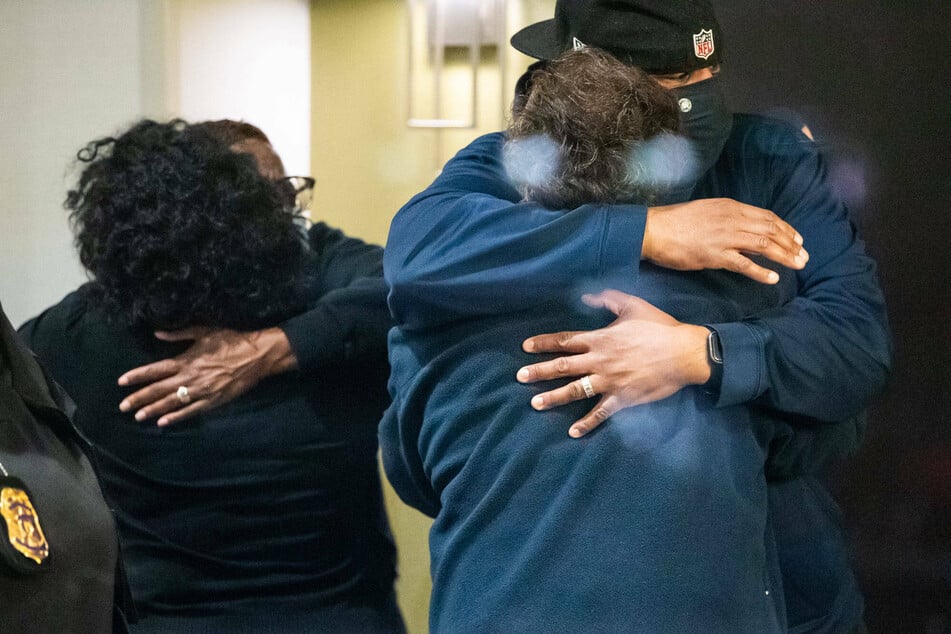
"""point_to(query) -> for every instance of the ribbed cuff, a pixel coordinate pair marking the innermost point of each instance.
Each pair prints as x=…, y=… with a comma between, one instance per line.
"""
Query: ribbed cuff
x=744, y=374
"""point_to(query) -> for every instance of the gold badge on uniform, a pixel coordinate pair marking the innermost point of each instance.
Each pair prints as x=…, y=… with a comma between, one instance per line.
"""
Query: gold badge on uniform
x=25, y=547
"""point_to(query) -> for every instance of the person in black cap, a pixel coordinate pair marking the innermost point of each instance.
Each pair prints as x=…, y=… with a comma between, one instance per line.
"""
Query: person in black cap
x=658, y=37
x=681, y=45
x=602, y=160
x=658, y=520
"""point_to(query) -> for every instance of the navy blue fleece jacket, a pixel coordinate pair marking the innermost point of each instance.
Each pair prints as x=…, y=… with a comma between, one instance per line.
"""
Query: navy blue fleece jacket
x=658, y=521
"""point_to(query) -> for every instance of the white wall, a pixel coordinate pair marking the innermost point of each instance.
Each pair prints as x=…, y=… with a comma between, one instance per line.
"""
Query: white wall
x=250, y=60
x=75, y=70
x=69, y=72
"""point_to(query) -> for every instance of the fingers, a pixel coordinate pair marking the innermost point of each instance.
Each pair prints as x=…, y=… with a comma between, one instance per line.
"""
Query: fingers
x=569, y=393
x=739, y=263
x=155, y=399
x=161, y=397
x=790, y=254
x=626, y=307
x=184, y=413
x=149, y=373
x=770, y=237
x=758, y=231
x=556, y=342
x=161, y=400
x=769, y=224
x=159, y=406
x=611, y=299
x=553, y=369
x=602, y=411
x=575, y=391
x=767, y=234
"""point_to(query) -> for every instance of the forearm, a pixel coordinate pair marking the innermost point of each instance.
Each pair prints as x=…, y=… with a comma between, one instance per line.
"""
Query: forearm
x=348, y=318
x=825, y=351
x=810, y=358
x=695, y=362
x=275, y=353
x=345, y=325
x=466, y=246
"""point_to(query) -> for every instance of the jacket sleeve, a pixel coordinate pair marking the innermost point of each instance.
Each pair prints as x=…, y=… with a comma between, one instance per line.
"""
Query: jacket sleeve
x=515, y=256
x=826, y=352
x=348, y=318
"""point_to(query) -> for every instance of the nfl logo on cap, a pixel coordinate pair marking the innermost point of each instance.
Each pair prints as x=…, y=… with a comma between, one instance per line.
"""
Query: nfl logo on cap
x=703, y=43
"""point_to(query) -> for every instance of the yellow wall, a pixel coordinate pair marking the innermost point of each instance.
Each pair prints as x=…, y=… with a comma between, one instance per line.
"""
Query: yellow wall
x=368, y=162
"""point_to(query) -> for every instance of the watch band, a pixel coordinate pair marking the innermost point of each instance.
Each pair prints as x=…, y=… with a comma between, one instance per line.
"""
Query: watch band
x=715, y=359
x=714, y=351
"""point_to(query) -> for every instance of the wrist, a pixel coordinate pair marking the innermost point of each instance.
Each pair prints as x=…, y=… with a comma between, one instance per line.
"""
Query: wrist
x=647, y=245
x=277, y=355
x=698, y=369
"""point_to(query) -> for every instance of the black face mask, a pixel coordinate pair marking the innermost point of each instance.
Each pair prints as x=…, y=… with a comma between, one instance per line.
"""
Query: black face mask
x=704, y=119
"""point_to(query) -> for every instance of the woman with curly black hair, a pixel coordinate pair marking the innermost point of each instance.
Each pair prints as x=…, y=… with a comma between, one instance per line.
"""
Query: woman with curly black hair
x=178, y=230
x=265, y=514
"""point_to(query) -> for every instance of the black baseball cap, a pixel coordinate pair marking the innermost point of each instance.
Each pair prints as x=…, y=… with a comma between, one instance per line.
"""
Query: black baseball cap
x=658, y=36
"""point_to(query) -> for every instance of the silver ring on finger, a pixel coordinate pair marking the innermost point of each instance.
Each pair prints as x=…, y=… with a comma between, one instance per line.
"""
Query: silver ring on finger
x=183, y=395
x=586, y=386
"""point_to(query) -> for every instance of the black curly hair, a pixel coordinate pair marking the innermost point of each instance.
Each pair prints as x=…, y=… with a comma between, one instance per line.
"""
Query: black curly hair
x=177, y=230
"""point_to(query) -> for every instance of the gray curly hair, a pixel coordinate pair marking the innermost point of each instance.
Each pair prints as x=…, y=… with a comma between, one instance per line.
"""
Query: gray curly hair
x=574, y=137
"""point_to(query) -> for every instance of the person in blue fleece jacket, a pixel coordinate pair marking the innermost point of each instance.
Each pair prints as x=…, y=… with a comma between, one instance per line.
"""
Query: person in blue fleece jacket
x=659, y=520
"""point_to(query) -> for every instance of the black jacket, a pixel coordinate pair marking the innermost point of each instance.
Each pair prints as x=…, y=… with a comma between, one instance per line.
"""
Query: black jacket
x=53, y=509
x=266, y=512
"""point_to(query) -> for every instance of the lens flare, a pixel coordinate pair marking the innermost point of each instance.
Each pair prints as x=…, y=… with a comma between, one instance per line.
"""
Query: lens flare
x=663, y=162
x=531, y=161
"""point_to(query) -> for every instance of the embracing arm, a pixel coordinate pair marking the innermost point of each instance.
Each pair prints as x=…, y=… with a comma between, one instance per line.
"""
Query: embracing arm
x=815, y=360
x=347, y=320
x=466, y=246
x=826, y=352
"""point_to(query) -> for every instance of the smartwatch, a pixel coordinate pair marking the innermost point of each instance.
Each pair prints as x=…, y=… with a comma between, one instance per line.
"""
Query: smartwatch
x=715, y=359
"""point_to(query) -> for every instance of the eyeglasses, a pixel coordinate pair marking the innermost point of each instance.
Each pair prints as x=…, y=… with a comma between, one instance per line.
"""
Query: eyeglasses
x=298, y=192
